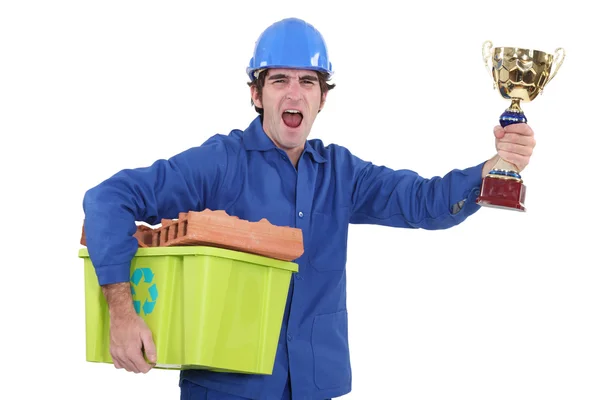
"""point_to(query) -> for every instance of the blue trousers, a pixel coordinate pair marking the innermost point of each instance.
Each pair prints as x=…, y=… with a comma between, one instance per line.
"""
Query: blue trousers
x=190, y=391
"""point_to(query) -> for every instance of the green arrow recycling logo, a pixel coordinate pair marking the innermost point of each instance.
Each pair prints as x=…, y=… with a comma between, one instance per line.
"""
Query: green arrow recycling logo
x=143, y=290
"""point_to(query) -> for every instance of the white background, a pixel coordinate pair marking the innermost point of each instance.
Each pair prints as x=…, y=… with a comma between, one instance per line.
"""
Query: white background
x=505, y=306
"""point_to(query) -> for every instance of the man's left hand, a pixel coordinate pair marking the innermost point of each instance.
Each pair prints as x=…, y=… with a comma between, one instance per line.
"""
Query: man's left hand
x=515, y=144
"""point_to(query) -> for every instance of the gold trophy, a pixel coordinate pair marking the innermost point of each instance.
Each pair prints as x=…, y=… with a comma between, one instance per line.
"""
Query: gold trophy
x=519, y=75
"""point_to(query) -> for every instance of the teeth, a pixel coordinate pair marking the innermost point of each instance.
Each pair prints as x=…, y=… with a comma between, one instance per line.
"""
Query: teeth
x=292, y=111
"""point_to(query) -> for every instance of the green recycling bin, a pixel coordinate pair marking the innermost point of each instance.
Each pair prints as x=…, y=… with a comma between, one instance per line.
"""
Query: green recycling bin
x=207, y=307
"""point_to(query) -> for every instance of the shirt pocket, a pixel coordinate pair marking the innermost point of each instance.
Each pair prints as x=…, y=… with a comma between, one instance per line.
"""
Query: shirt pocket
x=331, y=351
x=329, y=239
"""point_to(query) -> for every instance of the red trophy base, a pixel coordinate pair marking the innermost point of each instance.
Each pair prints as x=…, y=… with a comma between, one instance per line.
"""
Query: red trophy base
x=502, y=193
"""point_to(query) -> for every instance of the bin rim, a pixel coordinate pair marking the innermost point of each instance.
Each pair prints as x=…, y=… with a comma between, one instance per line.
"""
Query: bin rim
x=208, y=251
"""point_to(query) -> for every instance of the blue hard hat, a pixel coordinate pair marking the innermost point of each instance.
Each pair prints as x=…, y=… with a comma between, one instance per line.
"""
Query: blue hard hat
x=290, y=43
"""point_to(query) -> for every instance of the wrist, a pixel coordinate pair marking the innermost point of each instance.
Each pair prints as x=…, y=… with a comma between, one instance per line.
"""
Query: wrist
x=489, y=165
x=119, y=300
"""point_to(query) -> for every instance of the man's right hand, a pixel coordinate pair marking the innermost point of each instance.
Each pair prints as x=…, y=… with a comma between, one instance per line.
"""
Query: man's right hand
x=130, y=337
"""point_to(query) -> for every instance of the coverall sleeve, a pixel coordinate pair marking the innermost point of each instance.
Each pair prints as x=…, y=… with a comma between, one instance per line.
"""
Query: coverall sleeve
x=182, y=183
x=403, y=198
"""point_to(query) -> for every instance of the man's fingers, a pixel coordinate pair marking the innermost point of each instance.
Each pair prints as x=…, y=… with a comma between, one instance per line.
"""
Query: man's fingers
x=117, y=359
x=498, y=131
x=125, y=360
x=136, y=358
x=518, y=139
x=515, y=143
x=130, y=365
x=518, y=160
x=515, y=148
x=148, y=345
x=117, y=364
x=130, y=338
x=521, y=129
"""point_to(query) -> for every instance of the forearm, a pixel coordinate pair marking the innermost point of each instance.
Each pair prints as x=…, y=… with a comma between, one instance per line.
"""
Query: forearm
x=404, y=199
x=119, y=299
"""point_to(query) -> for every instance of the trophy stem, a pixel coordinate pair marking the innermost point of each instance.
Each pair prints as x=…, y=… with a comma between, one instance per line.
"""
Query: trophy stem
x=515, y=106
x=513, y=114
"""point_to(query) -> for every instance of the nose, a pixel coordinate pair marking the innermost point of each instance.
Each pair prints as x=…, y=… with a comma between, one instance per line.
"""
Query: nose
x=293, y=90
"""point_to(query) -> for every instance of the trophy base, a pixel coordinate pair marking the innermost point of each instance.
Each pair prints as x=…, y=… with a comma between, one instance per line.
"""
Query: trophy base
x=502, y=193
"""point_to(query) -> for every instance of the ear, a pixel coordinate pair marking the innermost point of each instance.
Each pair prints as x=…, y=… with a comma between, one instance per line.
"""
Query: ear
x=323, y=98
x=254, y=93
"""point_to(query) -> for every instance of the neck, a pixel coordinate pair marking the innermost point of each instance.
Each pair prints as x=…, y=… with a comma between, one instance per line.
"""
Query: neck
x=293, y=153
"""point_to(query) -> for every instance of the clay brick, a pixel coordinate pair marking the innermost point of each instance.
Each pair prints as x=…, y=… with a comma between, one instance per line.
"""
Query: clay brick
x=144, y=235
x=218, y=229
x=181, y=227
x=82, y=240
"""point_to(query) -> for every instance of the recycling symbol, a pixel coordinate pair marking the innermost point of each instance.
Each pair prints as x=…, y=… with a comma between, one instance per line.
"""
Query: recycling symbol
x=144, y=292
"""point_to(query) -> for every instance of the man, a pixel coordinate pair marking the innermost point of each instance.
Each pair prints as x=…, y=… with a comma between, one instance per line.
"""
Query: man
x=271, y=170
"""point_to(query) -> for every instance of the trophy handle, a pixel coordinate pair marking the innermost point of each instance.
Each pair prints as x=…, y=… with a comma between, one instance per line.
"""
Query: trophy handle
x=559, y=54
x=486, y=52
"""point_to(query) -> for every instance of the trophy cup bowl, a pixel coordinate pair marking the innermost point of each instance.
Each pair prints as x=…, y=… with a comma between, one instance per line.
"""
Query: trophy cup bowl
x=518, y=75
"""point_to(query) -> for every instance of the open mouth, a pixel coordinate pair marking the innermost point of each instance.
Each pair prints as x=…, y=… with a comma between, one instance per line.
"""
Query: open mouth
x=292, y=118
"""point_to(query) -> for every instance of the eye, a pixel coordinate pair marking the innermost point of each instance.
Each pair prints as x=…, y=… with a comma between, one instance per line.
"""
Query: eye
x=307, y=82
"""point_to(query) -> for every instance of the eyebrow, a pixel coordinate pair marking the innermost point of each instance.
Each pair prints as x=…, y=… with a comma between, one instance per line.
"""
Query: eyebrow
x=283, y=76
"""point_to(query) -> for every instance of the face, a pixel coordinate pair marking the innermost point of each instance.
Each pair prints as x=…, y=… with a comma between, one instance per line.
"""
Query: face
x=291, y=99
